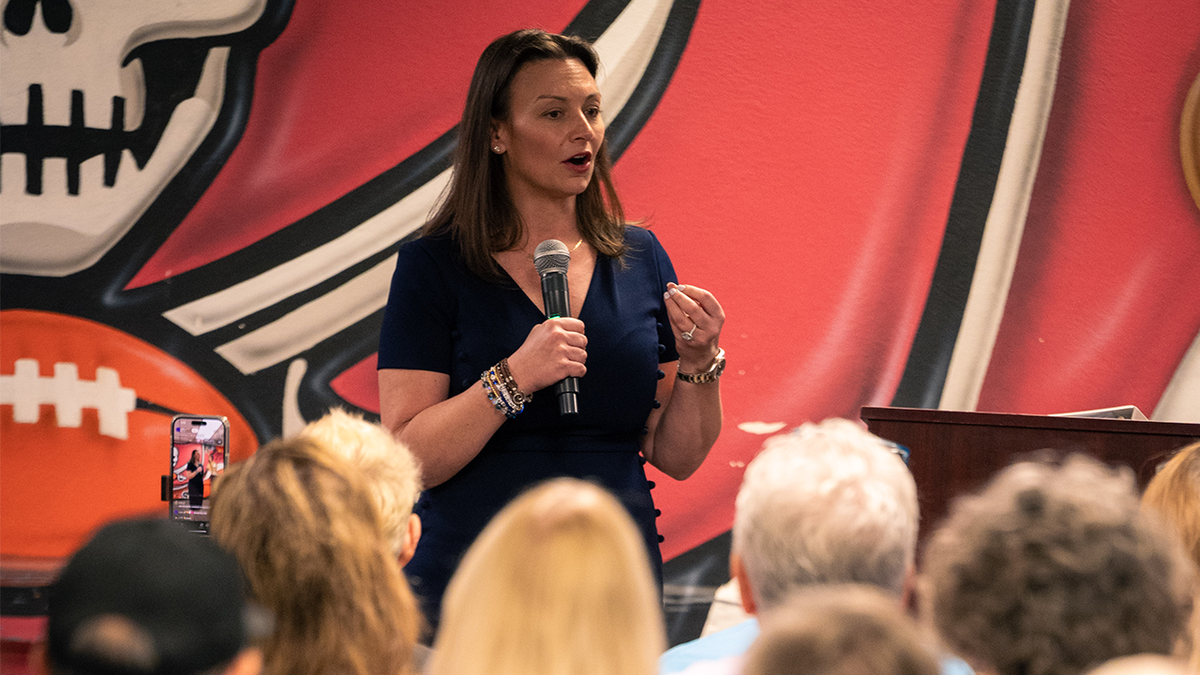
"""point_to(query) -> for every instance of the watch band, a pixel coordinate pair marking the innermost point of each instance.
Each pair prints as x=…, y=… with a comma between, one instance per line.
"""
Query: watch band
x=710, y=375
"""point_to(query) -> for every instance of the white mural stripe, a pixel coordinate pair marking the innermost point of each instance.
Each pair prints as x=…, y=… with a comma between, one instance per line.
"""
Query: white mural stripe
x=1010, y=204
x=259, y=292
x=625, y=50
x=304, y=327
x=626, y=47
x=1179, y=401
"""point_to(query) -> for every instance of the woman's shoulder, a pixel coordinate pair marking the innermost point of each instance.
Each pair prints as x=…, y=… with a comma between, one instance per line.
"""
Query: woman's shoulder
x=642, y=245
x=433, y=245
x=432, y=254
x=640, y=236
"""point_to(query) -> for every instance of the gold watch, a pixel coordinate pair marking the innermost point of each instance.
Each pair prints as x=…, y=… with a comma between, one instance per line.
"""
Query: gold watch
x=707, y=376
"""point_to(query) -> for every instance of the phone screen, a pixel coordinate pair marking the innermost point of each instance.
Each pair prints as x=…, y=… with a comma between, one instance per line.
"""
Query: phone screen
x=199, y=453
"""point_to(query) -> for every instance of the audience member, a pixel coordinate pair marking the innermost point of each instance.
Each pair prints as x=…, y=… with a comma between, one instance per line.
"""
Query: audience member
x=827, y=503
x=393, y=476
x=558, y=583
x=144, y=597
x=306, y=530
x=1174, y=495
x=1142, y=664
x=840, y=630
x=1051, y=570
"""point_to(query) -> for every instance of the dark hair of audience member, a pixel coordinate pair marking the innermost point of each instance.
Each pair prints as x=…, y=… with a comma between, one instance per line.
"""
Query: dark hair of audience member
x=302, y=522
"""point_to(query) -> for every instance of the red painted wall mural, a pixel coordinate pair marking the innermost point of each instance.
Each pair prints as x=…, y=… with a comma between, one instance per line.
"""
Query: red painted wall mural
x=199, y=213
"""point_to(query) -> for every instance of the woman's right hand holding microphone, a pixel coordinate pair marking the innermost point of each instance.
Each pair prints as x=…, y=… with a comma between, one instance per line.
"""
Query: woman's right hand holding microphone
x=553, y=350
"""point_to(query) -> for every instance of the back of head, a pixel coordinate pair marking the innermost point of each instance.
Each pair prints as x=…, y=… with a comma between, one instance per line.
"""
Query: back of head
x=827, y=503
x=306, y=531
x=1052, y=569
x=391, y=471
x=840, y=630
x=1174, y=494
x=143, y=596
x=1142, y=664
x=559, y=583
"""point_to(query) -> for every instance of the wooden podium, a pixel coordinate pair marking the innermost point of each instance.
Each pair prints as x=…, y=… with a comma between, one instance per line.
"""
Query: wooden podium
x=957, y=452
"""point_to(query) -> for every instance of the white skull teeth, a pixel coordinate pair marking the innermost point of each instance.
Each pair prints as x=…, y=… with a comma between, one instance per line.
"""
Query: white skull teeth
x=78, y=142
x=102, y=103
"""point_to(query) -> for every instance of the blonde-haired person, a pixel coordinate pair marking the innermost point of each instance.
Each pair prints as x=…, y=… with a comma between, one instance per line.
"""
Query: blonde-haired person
x=1174, y=494
x=301, y=521
x=393, y=476
x=557, y=584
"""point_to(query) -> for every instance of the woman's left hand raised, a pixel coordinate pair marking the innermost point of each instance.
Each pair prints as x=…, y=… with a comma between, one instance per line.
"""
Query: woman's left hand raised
x=696, y=319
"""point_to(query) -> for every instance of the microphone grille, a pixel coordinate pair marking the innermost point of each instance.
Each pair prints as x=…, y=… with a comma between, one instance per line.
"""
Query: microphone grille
x=551, y=256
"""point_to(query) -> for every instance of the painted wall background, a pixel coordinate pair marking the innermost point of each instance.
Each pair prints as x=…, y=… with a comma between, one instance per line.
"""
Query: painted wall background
x=220, y=241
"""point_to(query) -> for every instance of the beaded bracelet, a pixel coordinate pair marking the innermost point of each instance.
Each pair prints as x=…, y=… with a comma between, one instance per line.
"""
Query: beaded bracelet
x=510, y=385
x=502, y=390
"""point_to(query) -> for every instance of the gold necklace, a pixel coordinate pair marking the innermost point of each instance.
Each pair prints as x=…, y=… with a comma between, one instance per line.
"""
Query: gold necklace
x=577, y=245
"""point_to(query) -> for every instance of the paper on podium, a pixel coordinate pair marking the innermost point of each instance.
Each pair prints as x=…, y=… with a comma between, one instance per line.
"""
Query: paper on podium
x=1123, y=412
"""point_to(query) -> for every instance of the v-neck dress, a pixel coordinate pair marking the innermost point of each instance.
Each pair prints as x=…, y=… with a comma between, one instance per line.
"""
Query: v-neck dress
x=441, y=317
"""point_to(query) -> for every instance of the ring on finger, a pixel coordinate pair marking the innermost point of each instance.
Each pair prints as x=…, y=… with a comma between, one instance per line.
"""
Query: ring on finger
x=689, y=335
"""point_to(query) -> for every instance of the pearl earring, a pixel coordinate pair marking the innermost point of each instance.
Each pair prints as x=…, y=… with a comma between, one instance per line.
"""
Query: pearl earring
x=496, y=149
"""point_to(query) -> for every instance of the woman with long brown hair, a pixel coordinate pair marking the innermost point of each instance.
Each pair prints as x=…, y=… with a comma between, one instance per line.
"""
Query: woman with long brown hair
x=302, y=523
x=468, y=358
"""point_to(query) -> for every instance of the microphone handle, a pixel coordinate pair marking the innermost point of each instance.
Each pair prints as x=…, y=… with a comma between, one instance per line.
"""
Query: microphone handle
x=557, y=302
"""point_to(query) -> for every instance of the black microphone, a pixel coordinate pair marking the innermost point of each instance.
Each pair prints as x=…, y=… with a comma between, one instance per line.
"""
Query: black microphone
x=551, y=259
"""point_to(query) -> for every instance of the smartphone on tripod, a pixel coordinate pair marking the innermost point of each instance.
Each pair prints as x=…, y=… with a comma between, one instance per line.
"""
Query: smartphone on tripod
x=199, y=455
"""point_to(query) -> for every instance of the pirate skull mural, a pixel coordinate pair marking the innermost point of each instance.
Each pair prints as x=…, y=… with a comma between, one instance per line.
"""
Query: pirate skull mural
x=102, y=104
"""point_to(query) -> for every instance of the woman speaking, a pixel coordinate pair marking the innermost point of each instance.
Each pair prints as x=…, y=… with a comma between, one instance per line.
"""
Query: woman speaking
x=468, y=359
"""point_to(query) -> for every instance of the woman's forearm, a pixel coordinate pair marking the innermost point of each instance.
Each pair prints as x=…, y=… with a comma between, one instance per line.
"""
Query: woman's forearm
x=446, y=437
x=687, y=429
x=444, y=434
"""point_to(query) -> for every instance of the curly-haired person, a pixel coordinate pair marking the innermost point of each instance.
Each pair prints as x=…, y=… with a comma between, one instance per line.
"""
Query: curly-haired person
x=1052, y=569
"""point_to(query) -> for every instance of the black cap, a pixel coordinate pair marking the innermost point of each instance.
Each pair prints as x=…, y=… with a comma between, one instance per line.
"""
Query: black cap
x=144, y=596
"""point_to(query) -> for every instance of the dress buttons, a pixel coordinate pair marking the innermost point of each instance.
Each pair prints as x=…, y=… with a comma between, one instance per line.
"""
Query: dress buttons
x=424, y=503
x=658, y=324
x=650, y=483
x=661, y=348
x=657, y=513
x=454, y=335
x=661, y=374
x=656, y=405
x=661, y=539
x=641, y=460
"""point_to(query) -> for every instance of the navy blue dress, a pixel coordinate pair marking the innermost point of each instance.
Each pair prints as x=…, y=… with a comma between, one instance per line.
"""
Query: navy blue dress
x=441, y=317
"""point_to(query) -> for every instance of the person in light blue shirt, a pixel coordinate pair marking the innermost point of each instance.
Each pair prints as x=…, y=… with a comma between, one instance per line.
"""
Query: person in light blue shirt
x=827, y=503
